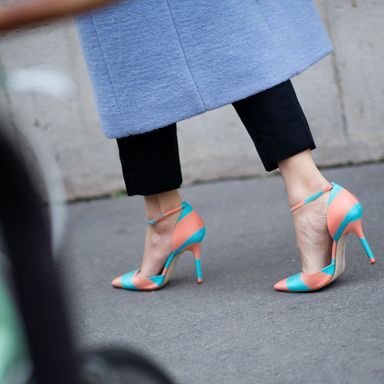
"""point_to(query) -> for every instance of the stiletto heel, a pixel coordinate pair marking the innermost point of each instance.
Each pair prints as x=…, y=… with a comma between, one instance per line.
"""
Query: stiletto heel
x=188, y=234
x=367, y=250
x=344, y=213
x=196, y=249
x=357, y=229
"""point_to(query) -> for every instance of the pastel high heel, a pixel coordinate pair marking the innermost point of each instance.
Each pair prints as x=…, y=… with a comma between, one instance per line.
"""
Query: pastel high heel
x=344, y=216
x=188, y=234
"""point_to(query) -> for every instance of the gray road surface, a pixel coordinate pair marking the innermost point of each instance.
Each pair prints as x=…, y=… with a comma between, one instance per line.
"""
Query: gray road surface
x=234, y=328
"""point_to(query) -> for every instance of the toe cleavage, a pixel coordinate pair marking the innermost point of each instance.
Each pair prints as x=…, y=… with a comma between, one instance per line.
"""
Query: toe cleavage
x=188, y=235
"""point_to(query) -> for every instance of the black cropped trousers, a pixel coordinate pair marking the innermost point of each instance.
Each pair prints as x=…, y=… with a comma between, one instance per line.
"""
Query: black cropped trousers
x=273, y=118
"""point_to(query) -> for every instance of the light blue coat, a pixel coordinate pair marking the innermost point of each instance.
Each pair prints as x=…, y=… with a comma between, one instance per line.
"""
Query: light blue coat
x=156, y=62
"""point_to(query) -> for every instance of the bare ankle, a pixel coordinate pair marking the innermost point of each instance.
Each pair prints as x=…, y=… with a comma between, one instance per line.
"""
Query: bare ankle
x=301, y=176
x=165, y=225
x=304, y=189
x=158, y=204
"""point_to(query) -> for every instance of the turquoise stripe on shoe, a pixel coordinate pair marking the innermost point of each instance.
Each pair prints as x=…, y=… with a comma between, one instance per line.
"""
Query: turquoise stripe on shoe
x=195, y=238
x=313, y=197
x=158, y=279
x=334, y=191
x=199, y=273
x=367, y=248
x=330, y=269
x=126, y=280
x=353, y=214
x=295, y=283
x=186, y=210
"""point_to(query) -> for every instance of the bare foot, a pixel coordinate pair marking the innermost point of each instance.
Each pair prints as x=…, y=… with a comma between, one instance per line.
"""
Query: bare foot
x=312, y=236
x=157, y=246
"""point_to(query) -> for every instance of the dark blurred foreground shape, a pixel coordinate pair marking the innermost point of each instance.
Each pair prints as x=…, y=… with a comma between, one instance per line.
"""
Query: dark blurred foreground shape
x=27, y=238
x=26, y=229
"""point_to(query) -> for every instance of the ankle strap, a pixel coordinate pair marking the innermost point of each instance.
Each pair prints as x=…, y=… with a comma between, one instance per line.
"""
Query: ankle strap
x=163, y=215
x=311, y=198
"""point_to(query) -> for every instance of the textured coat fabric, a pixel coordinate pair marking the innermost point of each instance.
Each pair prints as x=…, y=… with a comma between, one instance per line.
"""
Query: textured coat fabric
x=156, y=62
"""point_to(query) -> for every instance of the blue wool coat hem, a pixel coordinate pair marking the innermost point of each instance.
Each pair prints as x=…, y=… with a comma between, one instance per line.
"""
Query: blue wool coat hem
x=117, y=128
x=157, y=62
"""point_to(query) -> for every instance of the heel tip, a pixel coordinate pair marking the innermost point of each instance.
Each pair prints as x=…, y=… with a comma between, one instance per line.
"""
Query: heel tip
x=199, y=281
x=373, y=261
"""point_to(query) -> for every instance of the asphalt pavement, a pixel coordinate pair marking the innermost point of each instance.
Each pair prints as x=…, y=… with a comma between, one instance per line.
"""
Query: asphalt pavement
x=233, y=328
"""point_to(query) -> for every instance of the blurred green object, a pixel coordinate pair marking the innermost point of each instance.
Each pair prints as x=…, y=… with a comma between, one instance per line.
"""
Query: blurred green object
x=15, y=365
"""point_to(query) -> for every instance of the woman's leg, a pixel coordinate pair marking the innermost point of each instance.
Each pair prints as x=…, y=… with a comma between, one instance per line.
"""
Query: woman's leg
x=302, y=179
x=151, y=168
x=278, y=127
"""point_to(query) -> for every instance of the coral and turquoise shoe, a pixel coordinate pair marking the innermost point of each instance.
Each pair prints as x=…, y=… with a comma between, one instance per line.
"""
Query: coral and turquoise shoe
x=188, y=234
x=344, y=213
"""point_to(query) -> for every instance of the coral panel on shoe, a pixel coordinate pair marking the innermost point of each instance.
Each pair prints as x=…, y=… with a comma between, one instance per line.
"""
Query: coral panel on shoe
x=344, y=216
